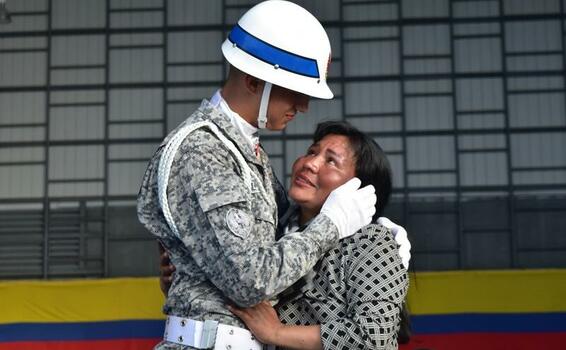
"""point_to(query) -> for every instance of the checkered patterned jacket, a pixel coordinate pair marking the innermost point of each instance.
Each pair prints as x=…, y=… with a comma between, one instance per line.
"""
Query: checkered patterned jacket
x=356, y=293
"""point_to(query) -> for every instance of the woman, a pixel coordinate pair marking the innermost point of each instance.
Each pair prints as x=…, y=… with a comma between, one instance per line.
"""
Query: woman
x=354, y=296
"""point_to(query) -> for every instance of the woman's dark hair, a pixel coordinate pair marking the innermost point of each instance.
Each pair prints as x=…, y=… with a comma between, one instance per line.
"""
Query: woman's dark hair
x=372, y=166
x=405, y=328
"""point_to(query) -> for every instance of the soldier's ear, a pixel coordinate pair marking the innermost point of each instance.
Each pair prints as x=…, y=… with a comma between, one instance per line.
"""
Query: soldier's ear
x=253, y=84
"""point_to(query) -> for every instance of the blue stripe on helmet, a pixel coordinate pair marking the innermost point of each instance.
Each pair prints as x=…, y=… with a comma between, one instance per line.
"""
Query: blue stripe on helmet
x=273, y=55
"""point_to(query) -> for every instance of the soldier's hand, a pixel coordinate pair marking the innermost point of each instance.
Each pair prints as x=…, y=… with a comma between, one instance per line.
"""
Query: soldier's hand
x=350, y=207
x=166, y=270
x=401, y=238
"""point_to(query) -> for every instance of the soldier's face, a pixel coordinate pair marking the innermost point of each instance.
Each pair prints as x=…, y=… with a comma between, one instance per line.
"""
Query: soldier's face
x=326, y=165
x=283, y=106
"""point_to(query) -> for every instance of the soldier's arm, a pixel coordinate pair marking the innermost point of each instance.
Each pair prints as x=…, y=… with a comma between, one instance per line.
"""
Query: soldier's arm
x=246, y=264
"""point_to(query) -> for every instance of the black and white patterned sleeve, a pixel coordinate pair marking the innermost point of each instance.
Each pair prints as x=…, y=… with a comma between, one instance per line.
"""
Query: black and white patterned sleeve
x=376, y=286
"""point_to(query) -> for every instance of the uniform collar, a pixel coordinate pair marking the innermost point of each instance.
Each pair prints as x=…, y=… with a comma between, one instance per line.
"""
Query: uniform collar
x=224, y=122
x=249, y=131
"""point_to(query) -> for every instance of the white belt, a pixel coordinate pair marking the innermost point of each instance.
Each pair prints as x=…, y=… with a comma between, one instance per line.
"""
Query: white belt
x=209, y=335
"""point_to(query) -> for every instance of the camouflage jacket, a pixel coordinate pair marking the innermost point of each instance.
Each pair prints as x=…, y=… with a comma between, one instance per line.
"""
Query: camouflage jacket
x=226, y=252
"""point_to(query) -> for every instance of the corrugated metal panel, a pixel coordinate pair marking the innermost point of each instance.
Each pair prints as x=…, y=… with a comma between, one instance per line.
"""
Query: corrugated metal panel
x=467, y=104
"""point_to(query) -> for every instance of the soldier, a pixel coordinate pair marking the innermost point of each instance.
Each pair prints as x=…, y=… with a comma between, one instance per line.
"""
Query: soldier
x=209, y=193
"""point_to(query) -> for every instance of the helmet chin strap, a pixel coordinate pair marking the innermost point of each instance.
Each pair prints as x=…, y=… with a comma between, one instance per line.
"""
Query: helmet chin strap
x=262, y=116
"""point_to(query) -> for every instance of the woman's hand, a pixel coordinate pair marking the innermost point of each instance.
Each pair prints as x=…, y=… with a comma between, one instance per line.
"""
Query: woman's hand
x=261, y=320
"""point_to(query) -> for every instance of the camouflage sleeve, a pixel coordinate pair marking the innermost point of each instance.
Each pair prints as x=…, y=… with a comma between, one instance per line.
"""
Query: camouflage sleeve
x=376, y=287
x=230, y=236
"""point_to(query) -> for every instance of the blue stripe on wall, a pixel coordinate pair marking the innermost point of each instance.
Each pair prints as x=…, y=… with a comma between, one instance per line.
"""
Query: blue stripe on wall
x=539, y=322
x=140, y=329
x=422, y=324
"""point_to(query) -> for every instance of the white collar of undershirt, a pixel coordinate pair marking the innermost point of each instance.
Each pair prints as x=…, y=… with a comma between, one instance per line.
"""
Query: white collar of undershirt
x=249, y=132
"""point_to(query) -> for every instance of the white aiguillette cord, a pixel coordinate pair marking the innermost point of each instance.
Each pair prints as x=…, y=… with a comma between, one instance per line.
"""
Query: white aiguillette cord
x=168, y=156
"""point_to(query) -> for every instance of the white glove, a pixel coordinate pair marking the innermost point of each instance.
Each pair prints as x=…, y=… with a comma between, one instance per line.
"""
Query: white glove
x=400, y=237
x=349, y=207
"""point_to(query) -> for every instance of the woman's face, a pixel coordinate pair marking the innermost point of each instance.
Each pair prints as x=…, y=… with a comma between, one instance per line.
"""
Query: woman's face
x=327, y=164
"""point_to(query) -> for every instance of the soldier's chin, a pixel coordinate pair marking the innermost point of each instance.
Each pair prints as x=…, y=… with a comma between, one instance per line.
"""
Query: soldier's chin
x=277, y=127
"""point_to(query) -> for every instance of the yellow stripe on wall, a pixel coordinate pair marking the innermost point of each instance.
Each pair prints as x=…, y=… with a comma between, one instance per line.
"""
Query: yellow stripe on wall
x=508, y=291
x=505, y=291
x=80, y=300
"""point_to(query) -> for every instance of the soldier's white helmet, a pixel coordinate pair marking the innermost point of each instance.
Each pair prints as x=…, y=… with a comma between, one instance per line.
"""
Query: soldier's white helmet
x=283, y=44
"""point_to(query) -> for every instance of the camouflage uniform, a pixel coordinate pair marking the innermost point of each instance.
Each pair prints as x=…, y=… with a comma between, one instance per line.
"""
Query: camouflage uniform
x=226, y=251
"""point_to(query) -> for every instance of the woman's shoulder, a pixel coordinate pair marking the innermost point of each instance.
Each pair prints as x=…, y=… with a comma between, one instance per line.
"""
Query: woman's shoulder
x=372, y=258
x=370, y=241
x=373, y=233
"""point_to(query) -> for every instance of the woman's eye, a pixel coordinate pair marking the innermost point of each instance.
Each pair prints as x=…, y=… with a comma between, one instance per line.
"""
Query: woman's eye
x=331, y=161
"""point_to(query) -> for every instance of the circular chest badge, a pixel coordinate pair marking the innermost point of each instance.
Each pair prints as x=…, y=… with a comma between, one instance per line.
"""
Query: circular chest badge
x=239, y=222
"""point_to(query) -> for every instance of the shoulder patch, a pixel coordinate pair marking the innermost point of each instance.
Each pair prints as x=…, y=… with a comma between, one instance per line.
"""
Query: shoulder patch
x=239, y=222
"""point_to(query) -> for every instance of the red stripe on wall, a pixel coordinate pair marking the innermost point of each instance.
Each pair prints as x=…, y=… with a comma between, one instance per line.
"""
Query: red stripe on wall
x=487, y=341
x=122, y=344
x=461, y=341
